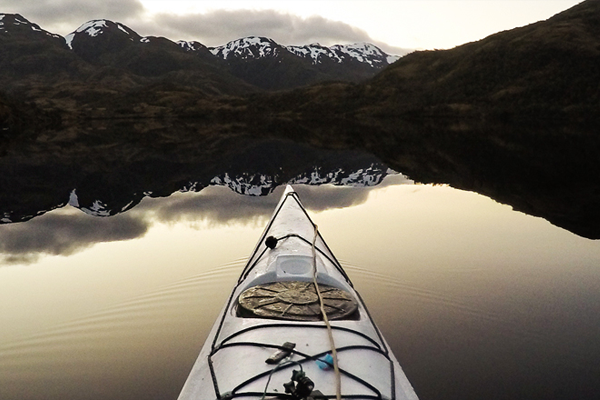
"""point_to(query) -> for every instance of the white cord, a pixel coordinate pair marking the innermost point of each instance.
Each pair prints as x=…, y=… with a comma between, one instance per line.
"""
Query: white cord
x=338, y=381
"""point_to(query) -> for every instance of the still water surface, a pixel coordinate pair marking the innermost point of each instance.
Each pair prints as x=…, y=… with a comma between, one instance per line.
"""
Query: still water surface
x=477, y=301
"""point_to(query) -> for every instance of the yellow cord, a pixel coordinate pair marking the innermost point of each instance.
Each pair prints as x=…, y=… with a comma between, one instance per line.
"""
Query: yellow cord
x=338, y=381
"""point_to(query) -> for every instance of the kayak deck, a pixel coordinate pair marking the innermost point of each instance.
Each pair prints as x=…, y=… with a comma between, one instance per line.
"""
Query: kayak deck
x=275, y=305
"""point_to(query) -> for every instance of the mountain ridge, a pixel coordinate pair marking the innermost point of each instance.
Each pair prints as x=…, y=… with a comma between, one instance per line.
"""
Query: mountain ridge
x=545, y=70
x=104, y=69
x=95, y=38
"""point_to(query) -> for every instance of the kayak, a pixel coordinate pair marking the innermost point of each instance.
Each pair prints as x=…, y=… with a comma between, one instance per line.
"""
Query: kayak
x=294, y=327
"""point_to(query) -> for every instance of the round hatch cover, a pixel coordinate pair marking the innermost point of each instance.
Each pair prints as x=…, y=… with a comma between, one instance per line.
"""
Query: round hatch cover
x=296, y=301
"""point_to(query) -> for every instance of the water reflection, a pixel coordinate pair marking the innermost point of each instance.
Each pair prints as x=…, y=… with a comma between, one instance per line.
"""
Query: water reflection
x=68, y=230
x=64, y=233
x=106, y=173
x=477, y=300
x=544, y=171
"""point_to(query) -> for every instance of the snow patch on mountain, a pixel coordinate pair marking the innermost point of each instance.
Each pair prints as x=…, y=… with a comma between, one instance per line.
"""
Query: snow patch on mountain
x=251, y=47
x=69, y=40
x=247, y=184
x=191, y=46
x=315, y=52
x=97, y=209
x=392, y=59
x=122, y=28
x=362, y=52
x=93, y=28
x=260, y=185
x=6, y=218
x=365, y=53
x=6, y=20
x=364, y=177
x=97, y=27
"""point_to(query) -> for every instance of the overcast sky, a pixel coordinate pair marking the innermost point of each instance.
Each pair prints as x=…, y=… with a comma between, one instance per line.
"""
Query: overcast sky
x=394, y=25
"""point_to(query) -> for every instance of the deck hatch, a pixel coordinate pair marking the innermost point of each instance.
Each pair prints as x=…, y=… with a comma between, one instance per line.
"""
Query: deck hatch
x=295, y=300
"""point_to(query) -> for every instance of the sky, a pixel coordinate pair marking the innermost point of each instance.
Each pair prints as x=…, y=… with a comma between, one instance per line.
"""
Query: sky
x=397, y=26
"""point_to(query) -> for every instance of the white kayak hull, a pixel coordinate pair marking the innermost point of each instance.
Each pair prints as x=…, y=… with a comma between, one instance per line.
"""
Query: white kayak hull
x=232, y=363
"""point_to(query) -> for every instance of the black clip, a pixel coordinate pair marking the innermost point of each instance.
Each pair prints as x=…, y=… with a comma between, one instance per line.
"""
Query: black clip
x=300, y=387
x=282, y=353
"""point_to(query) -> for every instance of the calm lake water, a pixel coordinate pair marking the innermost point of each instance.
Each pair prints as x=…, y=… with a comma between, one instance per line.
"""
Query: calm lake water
x=477, y=301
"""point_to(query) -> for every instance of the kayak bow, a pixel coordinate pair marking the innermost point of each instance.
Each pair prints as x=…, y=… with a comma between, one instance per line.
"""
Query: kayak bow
x=271, y=340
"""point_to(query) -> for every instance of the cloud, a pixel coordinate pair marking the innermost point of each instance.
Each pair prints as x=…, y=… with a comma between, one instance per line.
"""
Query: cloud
x=213, y=28
x=64, y=16
x=221, y=26
x=216, y=205
x=219, y=205
x=321, y=198
x=64, y=234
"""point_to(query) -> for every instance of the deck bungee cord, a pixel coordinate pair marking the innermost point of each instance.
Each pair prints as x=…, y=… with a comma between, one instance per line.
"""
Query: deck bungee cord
x=306, y=358
x=310, y=293
x=273, y=242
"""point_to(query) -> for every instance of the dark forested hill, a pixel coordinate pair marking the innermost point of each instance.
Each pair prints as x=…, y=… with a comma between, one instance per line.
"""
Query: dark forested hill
x=546, y=70
x=549, y=67
x=549, y=70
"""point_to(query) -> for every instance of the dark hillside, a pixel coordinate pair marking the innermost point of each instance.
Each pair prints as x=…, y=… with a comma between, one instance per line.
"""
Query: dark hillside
x=282, y=71
x=30, y=53
x=104, y=70
x=550, y=69
x=541, y=69
x=111, y=46
x=546, y=70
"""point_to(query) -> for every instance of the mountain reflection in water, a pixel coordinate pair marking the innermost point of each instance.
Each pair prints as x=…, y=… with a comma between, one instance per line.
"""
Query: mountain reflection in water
x=476, y=300
x=551, y=172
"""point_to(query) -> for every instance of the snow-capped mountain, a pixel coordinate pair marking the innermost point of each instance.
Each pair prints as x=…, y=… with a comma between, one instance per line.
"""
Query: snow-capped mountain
x=261, y=184
x=21, y=32
x=314, y=52
x=358, y=52
x=15, y=23
x=248, y=184
x=247, y=48
x=100, y=38
x=267, y=64
x=365, y=53
x=99, y=27
x=363, y=177
x=252, y=47
x=255, y=47
x=241, y=66
x=30, y=55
